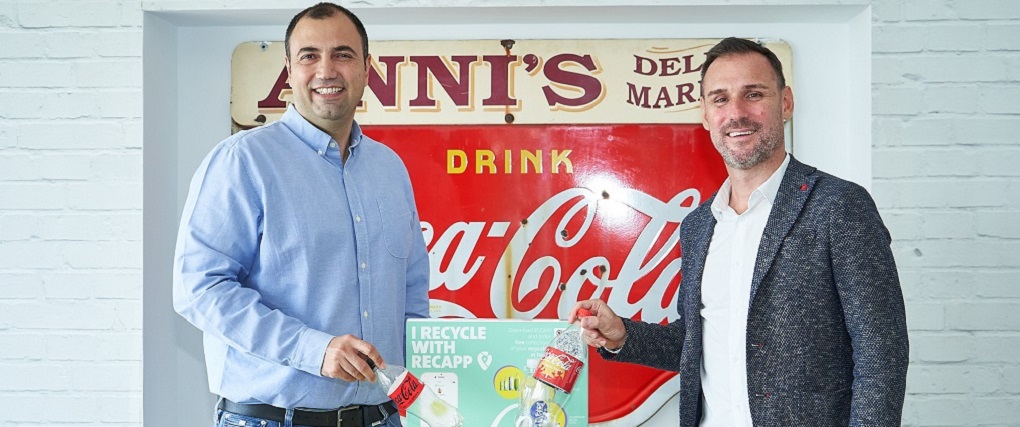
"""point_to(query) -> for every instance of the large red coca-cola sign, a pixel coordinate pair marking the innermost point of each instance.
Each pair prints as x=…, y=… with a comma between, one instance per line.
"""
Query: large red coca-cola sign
x=529, y=239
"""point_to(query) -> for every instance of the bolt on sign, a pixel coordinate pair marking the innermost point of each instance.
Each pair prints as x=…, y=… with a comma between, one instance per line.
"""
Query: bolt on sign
x=545, y=172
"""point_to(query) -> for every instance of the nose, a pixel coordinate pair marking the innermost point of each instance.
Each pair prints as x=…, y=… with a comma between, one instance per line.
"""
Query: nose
x=326, y=70
x=740, y=107
x=737, y=109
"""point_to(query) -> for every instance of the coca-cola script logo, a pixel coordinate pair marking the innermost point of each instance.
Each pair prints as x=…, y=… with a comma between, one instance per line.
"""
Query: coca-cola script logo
x=559, y=271
x=648, y=254
x=406, y=392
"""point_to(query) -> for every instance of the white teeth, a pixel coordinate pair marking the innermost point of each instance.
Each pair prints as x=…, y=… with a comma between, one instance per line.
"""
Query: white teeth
x=328, y=90
x=740, y=133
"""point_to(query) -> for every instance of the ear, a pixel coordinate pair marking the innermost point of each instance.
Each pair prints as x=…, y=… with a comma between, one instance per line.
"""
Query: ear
x=286, y=64
x=704, y=113
x=368, y=66
x=787, y=103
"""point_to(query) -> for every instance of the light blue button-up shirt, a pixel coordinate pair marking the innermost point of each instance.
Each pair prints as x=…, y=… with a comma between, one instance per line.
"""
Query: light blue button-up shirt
x=282, y=246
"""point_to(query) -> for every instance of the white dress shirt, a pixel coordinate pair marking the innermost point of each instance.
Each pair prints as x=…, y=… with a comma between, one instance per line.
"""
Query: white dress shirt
x=725, y=295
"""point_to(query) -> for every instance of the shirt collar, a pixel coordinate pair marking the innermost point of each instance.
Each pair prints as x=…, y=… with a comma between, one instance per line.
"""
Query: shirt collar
x=312, y=136
x=767, y=191
x=770, y=188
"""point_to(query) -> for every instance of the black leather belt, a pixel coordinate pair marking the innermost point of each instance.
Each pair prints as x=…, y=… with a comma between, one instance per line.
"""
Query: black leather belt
x=350, y=416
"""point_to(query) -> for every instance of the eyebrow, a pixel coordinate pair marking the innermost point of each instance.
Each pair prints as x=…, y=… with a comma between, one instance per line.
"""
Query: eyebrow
x=746, y=87
x=343, y=48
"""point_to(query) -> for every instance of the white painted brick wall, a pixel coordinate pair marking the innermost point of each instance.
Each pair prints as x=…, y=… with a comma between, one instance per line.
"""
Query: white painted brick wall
x=70, y=213
x=946, y=161
x=946, y=168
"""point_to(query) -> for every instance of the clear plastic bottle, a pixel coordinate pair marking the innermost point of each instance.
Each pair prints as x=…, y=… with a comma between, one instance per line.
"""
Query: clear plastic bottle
x=416, y=398
x=545, y=392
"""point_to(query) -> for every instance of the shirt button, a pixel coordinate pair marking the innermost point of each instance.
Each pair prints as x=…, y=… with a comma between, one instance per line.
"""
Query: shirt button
x=357, y=218
x=320, y=152
x=332, y=144
x=365, y=314
x=363, y=266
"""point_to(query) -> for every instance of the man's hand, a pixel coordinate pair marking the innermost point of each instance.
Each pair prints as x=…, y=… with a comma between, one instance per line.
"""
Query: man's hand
x=345, y=359
x=603, y=328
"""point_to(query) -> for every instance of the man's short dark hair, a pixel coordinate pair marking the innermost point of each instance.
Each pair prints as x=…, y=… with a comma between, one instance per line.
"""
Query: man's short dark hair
x=322, y=11
x=736, y=46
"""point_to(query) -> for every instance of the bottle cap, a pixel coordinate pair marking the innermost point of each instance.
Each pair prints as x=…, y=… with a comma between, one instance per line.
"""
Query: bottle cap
x=583, y=312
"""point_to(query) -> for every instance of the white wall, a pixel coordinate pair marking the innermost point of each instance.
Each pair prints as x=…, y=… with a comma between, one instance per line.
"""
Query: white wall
x=946, y=167
x=70, y=213
x=944, y=173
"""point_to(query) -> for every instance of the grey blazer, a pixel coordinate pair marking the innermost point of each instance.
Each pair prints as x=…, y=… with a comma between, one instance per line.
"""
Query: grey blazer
x=826, y=329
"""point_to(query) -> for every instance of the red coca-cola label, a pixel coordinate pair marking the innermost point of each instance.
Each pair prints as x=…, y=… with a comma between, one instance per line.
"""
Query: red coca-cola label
x=558, y=369
x=406, y=391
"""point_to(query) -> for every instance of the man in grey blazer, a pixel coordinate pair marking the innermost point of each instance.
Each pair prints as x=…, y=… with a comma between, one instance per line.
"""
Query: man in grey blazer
x=790, y=309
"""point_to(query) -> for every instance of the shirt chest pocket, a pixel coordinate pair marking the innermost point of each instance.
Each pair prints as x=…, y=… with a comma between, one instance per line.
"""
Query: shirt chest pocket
x=396, y=227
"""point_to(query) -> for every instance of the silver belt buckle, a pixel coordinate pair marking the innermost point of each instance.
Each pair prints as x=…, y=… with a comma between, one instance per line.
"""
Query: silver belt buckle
x=340, y=414
x=386, y=415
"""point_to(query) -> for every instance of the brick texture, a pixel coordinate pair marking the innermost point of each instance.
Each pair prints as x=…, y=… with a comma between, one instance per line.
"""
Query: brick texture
x=945, y=173
x=70, y=216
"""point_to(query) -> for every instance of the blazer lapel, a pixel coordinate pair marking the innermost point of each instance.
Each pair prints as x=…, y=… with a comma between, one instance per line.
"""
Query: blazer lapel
x=794, y=190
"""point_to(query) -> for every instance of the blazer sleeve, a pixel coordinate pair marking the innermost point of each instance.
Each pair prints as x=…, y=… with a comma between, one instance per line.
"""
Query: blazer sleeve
x=865, y=277
x=651, y=344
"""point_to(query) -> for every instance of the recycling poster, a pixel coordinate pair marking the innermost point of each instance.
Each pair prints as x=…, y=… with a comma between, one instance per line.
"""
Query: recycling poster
x=478, y=365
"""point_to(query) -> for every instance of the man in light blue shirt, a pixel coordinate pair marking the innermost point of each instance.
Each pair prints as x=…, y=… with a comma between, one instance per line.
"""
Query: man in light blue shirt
x=300, y=252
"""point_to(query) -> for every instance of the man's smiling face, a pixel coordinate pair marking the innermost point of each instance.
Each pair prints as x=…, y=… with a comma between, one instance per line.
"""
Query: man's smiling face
x=327, y=70
x=743, y=109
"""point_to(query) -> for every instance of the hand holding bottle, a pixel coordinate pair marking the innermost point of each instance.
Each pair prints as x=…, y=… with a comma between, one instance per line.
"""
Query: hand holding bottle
x=602, y=327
